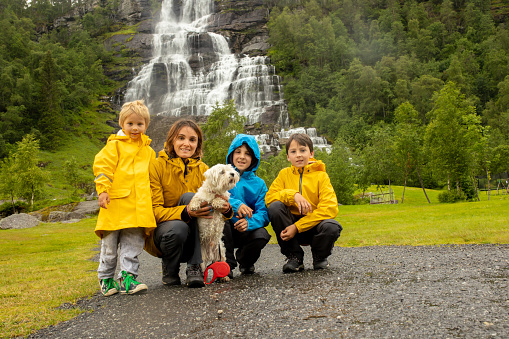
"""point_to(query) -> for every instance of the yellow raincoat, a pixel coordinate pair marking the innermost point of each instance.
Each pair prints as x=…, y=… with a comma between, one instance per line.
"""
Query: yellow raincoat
x=121, y=170
x=169, y=179
x=313, y=183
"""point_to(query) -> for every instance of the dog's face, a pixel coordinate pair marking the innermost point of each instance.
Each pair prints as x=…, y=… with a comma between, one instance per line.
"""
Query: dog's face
x=222, y=177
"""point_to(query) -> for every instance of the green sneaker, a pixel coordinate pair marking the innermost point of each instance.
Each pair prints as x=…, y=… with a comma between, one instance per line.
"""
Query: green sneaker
x=108, y=287
x=129, y=285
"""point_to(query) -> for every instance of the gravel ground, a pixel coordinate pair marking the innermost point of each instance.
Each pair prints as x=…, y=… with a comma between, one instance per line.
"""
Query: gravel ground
x=369, y=292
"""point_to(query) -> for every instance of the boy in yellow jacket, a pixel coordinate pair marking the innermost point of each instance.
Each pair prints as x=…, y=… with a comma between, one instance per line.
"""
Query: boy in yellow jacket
x=302, y=206
x=123, y=185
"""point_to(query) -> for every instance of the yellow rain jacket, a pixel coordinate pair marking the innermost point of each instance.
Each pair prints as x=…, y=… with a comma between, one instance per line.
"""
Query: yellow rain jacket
x=169, y=179
x=121, y=170
x=313, y=183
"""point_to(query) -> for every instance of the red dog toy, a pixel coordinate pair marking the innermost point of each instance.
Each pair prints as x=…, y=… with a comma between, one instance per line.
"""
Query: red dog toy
x=219, y=269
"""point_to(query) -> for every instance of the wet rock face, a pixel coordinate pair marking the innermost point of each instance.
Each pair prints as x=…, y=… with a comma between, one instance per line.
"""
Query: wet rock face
x=134, y=11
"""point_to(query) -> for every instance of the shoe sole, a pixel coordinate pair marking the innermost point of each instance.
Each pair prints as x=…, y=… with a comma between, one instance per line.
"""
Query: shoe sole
x=291, y=270
x=196, y=284
x=110, y=292
x=141, y=288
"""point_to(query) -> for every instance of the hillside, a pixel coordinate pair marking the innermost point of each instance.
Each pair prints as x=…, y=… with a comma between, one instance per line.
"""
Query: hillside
x=346, y=70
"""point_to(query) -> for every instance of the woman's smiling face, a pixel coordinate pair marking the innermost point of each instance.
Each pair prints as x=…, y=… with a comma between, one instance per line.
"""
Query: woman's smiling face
x=185, y=142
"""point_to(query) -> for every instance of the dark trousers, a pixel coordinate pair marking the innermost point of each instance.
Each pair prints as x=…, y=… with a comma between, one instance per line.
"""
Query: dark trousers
x=249, y=245
x=321, y=238
x=178, y=241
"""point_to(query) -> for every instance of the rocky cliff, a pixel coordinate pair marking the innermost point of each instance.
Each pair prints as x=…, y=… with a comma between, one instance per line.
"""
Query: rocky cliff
x=243, y=22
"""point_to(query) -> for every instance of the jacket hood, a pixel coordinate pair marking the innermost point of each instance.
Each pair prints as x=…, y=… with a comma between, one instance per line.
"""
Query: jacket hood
x=145, y=140
x=313, y=166
x=250, y=142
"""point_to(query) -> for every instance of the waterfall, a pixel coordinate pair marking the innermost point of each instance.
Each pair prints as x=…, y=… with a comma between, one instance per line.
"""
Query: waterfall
x=192, y=70
x=319, y=143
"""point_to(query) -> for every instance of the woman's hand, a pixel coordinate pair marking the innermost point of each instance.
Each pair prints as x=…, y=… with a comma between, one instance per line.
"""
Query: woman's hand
x=303, y=205
x=226, y=205
x=104, y=200
x=241, y=225
x=245, y=211
x=203, y=212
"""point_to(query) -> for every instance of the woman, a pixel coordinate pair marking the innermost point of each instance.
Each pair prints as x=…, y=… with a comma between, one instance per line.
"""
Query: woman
x=175, y=176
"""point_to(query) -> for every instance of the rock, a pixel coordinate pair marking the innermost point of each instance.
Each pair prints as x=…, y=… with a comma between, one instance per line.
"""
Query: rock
x=58, y=216
x=70, y=221
x=18, y=221
x=86, y=207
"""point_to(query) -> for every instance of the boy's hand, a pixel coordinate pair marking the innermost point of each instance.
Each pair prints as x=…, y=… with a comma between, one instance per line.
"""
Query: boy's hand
x=245, y=211
x=241, y=225
x=203, y=212
x=289, y=232
x=303, y=205
x=104, y=200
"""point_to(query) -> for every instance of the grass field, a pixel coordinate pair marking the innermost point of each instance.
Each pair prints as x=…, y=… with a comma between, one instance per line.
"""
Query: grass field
x=49, y=265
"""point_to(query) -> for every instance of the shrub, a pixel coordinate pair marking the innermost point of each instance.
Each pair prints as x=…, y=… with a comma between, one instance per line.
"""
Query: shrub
x=451, y=196
x=6, y=208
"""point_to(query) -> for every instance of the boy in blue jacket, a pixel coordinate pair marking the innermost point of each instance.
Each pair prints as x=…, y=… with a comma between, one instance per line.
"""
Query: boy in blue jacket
x=246, y=229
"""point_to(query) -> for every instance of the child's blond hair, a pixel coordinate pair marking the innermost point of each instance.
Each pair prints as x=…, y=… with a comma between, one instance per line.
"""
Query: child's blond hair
x=137, y=107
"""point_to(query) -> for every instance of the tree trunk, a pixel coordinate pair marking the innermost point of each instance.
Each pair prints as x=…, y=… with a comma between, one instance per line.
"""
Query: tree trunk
x=448, y=182
x=13, y=207
x=458, y=186
x=404, y=187
x=422, y=185
x=489, y=187
x=475, y=188
x=390, y=192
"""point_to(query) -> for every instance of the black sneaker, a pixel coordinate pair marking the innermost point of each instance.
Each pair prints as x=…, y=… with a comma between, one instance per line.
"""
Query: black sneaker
x=108, y=287
x=247, y=270
x=129, y=285
x=194, y=276
x=293, y=264
x=169, y=279
x=320, y=263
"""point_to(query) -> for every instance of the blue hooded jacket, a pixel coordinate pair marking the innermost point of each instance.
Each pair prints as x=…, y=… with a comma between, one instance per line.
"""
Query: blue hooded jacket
x=250, y=189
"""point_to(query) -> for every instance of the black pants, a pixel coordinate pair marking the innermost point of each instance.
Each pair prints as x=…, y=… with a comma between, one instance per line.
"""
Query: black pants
x=178, y=241
x=249, y=244
x=321, y=238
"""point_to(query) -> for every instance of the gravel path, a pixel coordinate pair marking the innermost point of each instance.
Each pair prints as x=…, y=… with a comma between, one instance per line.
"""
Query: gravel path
x=369, y=292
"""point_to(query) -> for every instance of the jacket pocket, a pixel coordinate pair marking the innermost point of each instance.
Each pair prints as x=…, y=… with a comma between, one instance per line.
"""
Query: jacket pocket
x=119, y=193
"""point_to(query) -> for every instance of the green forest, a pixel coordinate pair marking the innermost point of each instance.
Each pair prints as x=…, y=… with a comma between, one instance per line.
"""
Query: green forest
x=412, y=93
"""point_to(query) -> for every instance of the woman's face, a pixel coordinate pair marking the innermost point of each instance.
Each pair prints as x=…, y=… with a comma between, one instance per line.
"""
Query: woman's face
x=185, y=142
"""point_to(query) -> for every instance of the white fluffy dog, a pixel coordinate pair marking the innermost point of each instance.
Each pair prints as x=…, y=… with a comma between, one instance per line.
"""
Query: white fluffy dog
x=218, y=180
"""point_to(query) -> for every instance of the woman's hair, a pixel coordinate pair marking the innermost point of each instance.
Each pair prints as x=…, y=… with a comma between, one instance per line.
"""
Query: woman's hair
x=137, y=107
x=173, y=132
x=302, y=139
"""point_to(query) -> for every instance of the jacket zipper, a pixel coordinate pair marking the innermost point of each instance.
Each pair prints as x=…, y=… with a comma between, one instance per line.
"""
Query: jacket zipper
x=300, y=182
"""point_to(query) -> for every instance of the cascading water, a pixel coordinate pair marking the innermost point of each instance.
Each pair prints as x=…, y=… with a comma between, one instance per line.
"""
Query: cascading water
x=192, y=70
x=319, y=143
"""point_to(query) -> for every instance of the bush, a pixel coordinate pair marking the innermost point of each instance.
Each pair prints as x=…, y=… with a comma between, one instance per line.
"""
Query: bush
x=19, y=206
x=360, y=200
x=451, y=196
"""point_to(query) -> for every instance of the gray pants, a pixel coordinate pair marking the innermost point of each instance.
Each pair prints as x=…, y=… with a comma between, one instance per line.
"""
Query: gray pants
x=128, y=243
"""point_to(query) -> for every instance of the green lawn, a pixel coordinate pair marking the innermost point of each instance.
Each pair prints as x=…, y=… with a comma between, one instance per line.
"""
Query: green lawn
x=49, y=265
x=42, y=268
